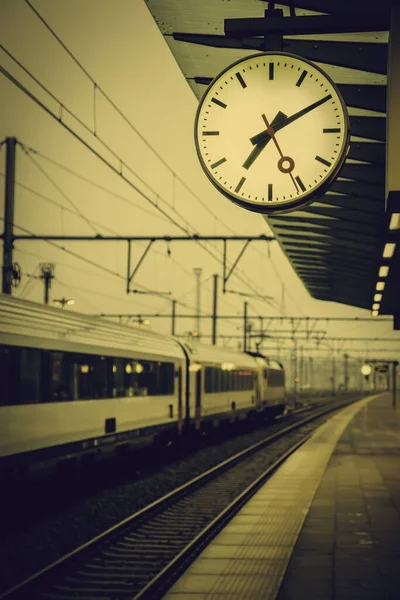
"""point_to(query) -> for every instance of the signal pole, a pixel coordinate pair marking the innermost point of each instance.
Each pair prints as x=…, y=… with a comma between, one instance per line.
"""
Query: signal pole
x=214, y=316
x=47, y=275
x=197, y=272
x=9, y=216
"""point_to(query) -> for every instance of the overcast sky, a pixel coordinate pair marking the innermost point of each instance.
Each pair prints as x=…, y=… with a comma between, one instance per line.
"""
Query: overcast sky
x=121, y=48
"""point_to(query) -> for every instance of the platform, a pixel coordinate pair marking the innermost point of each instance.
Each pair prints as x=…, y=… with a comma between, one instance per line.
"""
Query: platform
x=326, y=526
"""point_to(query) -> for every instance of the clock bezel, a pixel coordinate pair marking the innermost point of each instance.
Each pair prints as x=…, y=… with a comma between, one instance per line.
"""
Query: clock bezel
x=274, y=207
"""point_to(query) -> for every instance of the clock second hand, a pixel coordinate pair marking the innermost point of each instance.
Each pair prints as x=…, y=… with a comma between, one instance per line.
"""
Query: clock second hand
x=271, y=133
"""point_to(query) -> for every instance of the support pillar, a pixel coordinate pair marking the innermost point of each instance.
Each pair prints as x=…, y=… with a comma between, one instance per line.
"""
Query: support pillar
x=9, y=216
x=214, y=316
x=197, y=272
x=245, y=327
x=173, y=317
x=394, y=383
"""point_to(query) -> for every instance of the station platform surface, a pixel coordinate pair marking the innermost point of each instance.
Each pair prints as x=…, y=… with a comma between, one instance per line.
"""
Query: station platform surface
x=326, y=526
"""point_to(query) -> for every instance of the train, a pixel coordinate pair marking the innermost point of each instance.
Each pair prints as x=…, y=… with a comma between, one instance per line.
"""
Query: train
x=77, y=385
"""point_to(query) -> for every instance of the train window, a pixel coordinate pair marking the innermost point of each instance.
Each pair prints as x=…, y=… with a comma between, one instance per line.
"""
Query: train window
x=276, y=378
x=60, y=384
x=29, y=375
x=116, y=369
x=30, y=369
x=9, y=375
x=167, y=378
x=207, y=380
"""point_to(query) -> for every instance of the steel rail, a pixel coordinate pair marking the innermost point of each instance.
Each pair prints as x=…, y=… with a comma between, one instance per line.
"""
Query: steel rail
x=51, y=576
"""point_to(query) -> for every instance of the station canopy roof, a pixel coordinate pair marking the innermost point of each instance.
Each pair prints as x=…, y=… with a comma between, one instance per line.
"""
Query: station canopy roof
x=335, y=245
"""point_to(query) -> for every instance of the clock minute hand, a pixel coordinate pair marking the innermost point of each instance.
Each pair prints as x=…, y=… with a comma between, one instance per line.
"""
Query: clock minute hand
x=260, y=137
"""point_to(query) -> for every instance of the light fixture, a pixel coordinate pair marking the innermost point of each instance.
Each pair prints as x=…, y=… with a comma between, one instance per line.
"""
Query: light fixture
x=227, y=366
x=384, y=271
x=366, y=369
x=194, y=367
x=380, y=286
x=128, y=368
x=139, y=368
x=84, y=368
x=377, y=297
x=140, y=321
x=388, y=250
x=64, y=302
x=394, y=221
x=376, y=306
x=375, y=313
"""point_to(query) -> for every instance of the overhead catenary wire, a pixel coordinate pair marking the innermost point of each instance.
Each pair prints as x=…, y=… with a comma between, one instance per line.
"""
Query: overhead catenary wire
x=101, y=267
x=125, y=118
x=60, y=191
x=121, y=164
x=105, y=161
x=73, y=212
x=175, y=176
x=93, y=183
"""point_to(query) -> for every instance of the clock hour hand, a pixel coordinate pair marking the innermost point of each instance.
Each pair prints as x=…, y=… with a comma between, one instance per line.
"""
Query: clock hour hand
x=260, y=137
x=261, y=145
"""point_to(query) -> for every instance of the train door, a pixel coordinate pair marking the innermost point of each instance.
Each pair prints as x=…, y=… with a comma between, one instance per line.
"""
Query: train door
x=198, y=399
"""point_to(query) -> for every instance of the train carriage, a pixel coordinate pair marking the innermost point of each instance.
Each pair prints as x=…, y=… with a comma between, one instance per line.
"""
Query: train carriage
x=68, y=380
x=73, y=385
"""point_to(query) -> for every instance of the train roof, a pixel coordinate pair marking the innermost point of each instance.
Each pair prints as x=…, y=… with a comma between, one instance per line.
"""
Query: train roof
x=44, y=326
x=216, y=355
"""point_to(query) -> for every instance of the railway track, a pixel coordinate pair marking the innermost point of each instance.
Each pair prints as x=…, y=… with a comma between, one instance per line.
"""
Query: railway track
x=140, y=557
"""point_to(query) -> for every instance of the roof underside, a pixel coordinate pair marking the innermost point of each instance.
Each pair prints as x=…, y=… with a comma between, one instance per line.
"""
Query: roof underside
x=335, y=244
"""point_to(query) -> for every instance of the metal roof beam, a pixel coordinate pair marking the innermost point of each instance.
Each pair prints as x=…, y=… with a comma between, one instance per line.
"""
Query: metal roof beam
x=375, y=207
x=336, y=257
x=369, y=97
x=324, y=249
x=358, y=216
x=331, y=266
x=363, y=56
x=360, y=190
x=330, y=226
x=368, y=151
x=346, y=243
x=341, y=7
x=368, y=173
x=338, y=232
x=306, y=25
x=373, y=128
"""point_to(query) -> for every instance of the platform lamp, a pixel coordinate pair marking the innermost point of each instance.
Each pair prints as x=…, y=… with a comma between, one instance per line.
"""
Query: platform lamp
x=63, y=302
x=392, y=241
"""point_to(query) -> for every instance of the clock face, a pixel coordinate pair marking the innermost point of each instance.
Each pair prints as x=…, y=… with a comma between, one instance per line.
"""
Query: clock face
x=272, y=132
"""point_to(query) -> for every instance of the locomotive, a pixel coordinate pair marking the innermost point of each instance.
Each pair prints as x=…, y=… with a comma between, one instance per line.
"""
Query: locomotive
x=72, y=385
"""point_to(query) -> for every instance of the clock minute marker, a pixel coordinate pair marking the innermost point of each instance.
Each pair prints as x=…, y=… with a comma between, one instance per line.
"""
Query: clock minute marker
x=239, y=185
x=271, y=70
x=241, y=80
x=331, y=130
x=301, y=78
x=218, y=102
x=270, y=191
x=210, y=132
x=219, y=162
x=301, y=184
x=323, y=161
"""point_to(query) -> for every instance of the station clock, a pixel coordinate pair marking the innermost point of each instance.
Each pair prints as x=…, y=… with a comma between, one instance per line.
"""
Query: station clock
x=272, y=132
